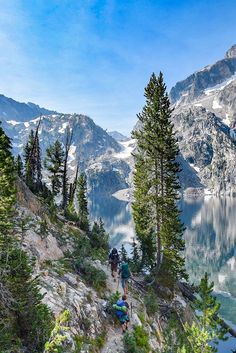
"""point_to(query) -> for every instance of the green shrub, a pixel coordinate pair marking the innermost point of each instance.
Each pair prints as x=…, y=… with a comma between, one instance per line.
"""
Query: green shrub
x=94, y=277
x=95, y=345
x=150, y=301
x=55, y=343
x=112, y=300
x=141, y=337
x=137, y=341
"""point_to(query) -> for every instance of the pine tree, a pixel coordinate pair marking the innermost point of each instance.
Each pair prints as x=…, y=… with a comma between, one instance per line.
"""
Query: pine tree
x=19, y=166
x=99, y=238
x=29, y=167
x=156, y=181
x=208, y=328
x=38, y=163
x=135, y=252
x=142, y=214
x=123, y=254
x=24, y=320
x=83, y=213
x=65, y=191
x=33, y=165
x=54, y=164
x=31, y=320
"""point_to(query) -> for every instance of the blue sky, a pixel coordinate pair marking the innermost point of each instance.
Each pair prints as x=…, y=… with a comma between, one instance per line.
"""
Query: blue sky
x=95, y=57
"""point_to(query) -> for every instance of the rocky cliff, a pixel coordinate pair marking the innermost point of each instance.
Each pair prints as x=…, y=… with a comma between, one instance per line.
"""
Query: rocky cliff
x=205, y=119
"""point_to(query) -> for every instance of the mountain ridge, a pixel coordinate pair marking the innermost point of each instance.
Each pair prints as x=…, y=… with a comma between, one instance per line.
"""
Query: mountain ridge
x=11, y=109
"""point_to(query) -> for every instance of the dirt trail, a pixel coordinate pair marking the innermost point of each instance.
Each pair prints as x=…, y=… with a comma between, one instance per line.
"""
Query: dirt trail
x=114, y=342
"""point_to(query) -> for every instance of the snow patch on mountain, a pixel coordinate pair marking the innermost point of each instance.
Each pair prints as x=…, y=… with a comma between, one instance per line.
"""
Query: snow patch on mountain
x=128, y=148
x=220, y=86
x=226, y=121
x=194, y=167
x=215, y=104
x=63, y=128
x=13, y=122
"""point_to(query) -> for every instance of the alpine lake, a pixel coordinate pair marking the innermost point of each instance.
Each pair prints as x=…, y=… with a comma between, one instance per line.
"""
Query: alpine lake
x=210, y=239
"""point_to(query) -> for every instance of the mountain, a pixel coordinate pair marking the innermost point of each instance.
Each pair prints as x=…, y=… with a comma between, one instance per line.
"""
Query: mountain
x=13, y=110
x=117, y=136
x=96, y=152
x=205, y=120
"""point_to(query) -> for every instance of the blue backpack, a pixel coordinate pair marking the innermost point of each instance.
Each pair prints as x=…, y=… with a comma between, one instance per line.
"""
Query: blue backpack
x=121, y=304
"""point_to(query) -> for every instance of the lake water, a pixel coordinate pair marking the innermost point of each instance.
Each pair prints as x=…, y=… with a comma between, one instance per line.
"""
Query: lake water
x=210, y=238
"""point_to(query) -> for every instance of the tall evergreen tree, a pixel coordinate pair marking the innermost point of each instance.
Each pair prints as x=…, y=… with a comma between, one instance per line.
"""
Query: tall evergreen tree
x=54, y=164
x=142, y=214
x=29, y=167
x=33, y=165
x=98, y=236
x=123, y=254
x=38, y=163
x=156, y=180
x=25, y=322
x=83, y=213
x=65, y=191
x=19, y=166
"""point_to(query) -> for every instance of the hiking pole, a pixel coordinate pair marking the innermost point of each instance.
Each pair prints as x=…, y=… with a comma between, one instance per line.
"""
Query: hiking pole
x=118, y=282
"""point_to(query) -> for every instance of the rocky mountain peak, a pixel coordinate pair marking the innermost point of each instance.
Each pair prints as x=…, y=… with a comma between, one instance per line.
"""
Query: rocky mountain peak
x=231, y=53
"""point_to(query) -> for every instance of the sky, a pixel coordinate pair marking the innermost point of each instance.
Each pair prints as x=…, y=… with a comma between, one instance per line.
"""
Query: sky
x=95, y=57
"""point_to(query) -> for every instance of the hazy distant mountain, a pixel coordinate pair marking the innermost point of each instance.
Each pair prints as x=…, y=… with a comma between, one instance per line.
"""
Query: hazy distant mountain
x=117, y=136
x=94, y=150
x=13, y=110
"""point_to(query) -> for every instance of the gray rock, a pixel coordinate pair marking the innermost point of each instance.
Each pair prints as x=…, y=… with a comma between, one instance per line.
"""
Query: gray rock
x=136, y=320
x=231, y=53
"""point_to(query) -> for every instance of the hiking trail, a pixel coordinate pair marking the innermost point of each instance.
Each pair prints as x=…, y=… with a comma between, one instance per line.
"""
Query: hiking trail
x=114, y=343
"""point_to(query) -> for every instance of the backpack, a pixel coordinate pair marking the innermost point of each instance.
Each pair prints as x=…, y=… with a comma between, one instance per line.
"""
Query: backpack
x=125, y=272
x=114, y=258
x=120, y=307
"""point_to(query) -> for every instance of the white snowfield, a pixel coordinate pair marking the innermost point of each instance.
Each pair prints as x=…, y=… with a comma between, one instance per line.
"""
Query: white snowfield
x=216, y=104
x=63, y=128
x=13, y=122
x=220, y=86
x=226, y=121
x=128, y=147
x=195, y=167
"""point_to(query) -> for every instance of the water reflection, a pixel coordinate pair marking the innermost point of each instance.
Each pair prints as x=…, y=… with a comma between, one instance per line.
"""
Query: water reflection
x=117, y=219
x=210, y=237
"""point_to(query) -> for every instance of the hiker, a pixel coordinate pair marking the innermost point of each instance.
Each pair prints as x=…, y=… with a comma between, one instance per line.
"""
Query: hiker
x=122, y=308
x=114, y=260
x=125, y=274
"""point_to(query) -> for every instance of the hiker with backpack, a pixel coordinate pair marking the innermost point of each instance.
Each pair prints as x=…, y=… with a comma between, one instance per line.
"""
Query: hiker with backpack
x=122, y=308
x=125, y=274
x=114, y=260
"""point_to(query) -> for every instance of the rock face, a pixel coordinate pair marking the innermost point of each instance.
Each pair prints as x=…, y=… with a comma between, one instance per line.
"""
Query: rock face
x=208, y=146
x=205, y=119
x=117, y=136
x=231, y=53
x=210, y=76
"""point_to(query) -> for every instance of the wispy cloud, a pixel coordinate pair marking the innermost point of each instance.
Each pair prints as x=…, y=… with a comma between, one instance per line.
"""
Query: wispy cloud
x=95, y=56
